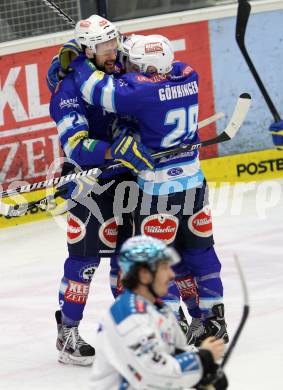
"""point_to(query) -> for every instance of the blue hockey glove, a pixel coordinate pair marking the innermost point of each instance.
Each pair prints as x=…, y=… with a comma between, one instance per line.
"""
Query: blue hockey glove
x=132, y=154
x=55, y=73
x=276, y=130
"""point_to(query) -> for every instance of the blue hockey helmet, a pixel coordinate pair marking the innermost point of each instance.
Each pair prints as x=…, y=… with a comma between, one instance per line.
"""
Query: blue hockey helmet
x=145, y=249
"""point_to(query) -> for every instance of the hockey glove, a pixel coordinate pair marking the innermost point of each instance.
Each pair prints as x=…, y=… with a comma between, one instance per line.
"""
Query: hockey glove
x=276, y=130
x=54, y=75
x=213, y=376
x=132, y=154
x=60, y=64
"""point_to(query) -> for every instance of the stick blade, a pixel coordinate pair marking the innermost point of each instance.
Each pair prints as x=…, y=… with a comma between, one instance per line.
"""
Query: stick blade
x=239, y=115
x=244, y=9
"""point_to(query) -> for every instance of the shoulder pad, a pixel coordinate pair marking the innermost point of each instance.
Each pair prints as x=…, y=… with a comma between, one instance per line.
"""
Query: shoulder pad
x=181, y=69
x=126, y=305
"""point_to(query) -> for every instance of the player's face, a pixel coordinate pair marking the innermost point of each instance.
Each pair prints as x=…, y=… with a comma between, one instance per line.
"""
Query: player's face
x=106, y=54
x=163, y=276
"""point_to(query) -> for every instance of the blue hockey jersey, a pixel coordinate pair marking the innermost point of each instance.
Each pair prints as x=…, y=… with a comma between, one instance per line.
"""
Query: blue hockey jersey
x=166, y=109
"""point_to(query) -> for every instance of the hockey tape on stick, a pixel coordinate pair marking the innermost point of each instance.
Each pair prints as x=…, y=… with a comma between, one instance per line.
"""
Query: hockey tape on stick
x=229, y=132
x=245, y=314
x=244, y=9
x=60, y=12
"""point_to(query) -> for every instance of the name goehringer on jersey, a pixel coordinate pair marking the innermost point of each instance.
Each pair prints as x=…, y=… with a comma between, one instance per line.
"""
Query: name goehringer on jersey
x=178, y=91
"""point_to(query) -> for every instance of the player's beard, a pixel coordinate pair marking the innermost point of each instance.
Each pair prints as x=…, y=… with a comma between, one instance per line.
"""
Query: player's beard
x=108, y=67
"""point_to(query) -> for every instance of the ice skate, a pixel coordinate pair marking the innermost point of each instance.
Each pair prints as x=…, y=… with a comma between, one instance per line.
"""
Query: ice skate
x=72, y=348
x=192, y=331
x=214, y=326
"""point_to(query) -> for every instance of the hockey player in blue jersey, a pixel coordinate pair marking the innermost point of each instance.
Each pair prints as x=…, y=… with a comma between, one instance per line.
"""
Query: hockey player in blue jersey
x=85, y=134
x=139, y=343
x=163, y=96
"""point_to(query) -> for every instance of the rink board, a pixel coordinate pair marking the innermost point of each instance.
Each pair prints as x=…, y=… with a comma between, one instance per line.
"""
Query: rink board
x=246, y=167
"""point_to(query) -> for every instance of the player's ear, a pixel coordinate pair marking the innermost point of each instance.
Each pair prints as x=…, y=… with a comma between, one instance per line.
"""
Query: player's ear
x=145, y=276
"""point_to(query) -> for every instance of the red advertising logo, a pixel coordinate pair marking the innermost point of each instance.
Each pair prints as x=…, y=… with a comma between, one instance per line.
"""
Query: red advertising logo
x=153, y=47
x=75, y=229
x=161, y=226
x=28, y=137
x=201, y=223
x=108, y=233
x=187, y=287
x=77, y=292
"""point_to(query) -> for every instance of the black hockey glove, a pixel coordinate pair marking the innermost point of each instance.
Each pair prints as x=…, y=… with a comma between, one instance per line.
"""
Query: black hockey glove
x=213, y=377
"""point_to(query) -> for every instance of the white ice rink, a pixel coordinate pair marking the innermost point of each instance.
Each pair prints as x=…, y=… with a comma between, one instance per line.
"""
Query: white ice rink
x=32, y=258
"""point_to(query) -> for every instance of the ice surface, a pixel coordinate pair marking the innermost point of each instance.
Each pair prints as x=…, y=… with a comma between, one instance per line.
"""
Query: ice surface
x=32, y=258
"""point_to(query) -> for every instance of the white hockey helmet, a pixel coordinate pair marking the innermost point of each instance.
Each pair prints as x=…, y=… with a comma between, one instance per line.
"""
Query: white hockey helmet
x=152, y=50
x=94, y=30
x=125, y=45
x=129, y=42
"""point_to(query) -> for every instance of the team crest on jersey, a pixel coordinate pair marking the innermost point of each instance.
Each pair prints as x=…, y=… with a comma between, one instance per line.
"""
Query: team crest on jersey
x=108, y=233
x=153, y=47
x=161, y=226
x=75, y=229
x=201, y=223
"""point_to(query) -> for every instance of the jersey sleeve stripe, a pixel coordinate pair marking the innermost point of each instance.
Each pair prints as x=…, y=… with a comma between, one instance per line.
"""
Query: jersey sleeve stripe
x=88, y=87
x=107, y=96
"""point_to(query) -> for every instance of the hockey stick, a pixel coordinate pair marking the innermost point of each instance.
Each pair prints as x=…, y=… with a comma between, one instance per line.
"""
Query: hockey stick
x=238, y=116
x=210, y=119
x=18, y=210
x=245, y=314
x=244, y=9
x=60, y=12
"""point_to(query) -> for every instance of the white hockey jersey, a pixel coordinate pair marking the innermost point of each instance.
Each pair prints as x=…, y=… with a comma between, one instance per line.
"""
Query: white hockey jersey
x=141, y=346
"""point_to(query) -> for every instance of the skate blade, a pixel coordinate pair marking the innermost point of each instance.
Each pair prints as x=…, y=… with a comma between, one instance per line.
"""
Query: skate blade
x=66, y=358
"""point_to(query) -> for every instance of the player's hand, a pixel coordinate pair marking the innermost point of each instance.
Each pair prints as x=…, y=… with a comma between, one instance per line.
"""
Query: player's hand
x=132, y=154
x=215, y=346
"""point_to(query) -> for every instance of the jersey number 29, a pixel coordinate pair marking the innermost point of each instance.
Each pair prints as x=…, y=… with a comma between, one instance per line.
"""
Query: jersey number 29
x=186, y=121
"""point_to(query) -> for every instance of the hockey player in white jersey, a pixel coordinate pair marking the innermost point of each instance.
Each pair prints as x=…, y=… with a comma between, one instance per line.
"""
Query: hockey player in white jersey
x=140, y=344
